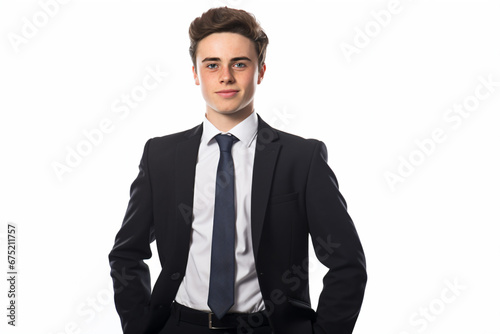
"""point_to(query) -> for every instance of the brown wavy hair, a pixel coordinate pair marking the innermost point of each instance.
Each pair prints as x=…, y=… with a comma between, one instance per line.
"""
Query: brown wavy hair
x=223, y=19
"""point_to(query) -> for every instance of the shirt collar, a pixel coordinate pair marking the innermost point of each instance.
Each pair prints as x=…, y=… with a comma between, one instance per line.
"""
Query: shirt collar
x=245, y=131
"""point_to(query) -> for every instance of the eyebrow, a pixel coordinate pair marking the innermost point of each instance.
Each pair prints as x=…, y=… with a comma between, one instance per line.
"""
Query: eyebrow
x=232, y=59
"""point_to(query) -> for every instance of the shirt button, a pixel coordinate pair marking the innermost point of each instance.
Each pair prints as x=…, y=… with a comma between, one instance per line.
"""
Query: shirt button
x=175, y=276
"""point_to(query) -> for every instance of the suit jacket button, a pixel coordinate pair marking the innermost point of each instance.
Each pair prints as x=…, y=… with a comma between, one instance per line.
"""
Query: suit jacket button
x=175, y=276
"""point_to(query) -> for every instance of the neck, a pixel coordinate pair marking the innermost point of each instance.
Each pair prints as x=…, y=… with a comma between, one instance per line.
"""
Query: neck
x=225, y=122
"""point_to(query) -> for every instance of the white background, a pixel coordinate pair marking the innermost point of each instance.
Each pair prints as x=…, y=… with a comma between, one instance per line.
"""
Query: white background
x=437, y=226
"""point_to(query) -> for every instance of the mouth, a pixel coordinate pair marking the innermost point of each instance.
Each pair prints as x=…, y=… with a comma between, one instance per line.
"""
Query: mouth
x=227, y=92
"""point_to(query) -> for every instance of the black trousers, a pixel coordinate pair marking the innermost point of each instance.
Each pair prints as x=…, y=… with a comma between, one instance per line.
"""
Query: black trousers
x=176, y=326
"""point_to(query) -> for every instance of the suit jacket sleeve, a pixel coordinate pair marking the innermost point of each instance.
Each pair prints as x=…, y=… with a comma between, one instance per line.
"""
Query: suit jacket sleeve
x=337, y=246
x=131, y=277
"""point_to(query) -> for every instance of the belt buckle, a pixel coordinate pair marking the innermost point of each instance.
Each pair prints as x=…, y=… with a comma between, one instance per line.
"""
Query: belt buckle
x=210, y=326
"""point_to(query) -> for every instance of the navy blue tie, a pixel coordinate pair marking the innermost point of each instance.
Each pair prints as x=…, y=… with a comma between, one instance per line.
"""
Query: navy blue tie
x=221, y=287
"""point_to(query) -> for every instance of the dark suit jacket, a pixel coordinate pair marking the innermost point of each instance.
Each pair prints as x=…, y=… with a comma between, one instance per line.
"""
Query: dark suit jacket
x=294, y=194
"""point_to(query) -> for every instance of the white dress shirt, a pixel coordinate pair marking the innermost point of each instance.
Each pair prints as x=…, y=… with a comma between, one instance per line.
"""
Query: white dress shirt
x=193, y=291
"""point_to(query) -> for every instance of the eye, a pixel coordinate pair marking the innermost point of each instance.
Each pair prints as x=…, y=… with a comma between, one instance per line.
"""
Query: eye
x=211, y=66
x=240, y=65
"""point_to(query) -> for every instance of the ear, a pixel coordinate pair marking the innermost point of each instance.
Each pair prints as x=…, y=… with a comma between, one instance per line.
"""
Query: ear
x=261, y=73
x=195, y=75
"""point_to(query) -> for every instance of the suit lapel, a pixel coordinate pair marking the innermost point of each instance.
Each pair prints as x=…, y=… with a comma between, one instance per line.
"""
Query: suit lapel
x=186, y=155
x=266, y=154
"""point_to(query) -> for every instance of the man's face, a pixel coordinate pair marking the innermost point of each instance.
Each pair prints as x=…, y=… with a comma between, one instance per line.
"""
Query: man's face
x=227, y=70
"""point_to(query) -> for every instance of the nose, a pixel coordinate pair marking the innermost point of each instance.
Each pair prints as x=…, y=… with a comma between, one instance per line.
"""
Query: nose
x=226, y=75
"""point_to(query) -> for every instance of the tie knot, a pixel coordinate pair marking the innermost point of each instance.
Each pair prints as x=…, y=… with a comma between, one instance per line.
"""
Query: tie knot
x=225, y=142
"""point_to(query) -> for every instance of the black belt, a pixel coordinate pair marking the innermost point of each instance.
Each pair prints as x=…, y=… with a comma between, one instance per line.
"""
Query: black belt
x=208, y=319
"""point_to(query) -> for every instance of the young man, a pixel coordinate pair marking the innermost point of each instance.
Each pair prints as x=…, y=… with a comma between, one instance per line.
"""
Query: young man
x=231, y=203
